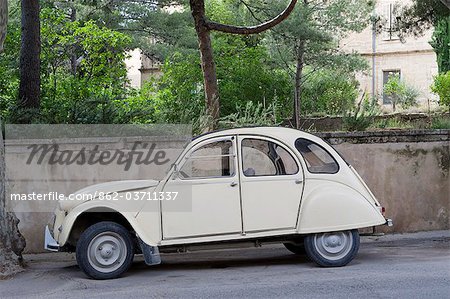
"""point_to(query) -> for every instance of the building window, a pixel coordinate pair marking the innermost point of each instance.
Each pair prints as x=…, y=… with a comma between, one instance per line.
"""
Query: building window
x=390, y=28
x=386, y=76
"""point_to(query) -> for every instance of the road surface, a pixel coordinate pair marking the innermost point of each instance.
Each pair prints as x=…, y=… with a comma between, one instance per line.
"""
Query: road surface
x=399, y=266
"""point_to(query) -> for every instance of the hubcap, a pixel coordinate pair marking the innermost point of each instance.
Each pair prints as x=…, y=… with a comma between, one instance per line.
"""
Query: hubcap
x=107, y=252
x=335, y=245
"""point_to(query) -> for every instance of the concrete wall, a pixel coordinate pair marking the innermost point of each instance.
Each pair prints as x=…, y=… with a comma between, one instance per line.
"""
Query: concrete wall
x=407, y=170
x=26, y=178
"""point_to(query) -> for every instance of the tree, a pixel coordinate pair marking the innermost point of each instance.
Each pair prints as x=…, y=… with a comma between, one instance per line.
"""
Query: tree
x=12, y=242
x=87, y=91
x=441, y=44
x=203, y=27
x=3, y=22
x=422, y=15
x=30, y=82
x=441, y=87
x=245, y=75
x=400, y=93
x=309, y=40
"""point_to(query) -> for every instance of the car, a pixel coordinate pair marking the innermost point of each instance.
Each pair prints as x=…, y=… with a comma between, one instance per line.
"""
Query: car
x=236, y=187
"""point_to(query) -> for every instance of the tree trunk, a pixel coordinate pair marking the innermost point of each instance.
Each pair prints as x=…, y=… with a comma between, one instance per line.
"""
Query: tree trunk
x=300, y=53
x=203, y=28
x=3, y=22
x=12, y=242
x=29, y=87
x=73, y=55
x=208, y=65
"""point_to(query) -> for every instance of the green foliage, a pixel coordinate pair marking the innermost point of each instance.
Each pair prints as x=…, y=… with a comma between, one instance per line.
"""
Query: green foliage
x=362, y=116
x=392, y=123
x=320, y=25
x=9, y=62
x=330, y=92
x=419, y=16
x=138, y=107
x=400, y=93
x=422, y=15
x=244, y=76
x=88, y=91
x=441, y=87
x=442, y=122
x=441, y=43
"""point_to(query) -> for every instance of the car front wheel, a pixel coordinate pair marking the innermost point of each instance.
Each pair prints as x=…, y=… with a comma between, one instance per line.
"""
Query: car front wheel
x=105, y=250
x=332, y=249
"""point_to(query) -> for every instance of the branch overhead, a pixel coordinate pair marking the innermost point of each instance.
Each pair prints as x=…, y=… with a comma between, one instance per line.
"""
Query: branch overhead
x=446, y=3
x=246, y=30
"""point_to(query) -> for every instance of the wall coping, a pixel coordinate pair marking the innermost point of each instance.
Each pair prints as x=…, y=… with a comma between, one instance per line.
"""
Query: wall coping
x=386, y=136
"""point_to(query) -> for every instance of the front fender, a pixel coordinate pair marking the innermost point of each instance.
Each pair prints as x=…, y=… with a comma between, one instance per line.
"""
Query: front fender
x=332, y=206
x=149, y=235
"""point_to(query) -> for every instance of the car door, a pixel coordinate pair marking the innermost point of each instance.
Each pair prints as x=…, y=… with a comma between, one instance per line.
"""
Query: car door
x=271, y=184
x=208, y=201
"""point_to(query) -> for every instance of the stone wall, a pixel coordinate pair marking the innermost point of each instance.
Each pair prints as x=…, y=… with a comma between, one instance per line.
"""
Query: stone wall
x=336, y=123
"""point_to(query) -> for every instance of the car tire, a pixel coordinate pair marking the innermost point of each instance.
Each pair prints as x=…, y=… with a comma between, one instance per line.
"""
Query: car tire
x=295, y=248
x=332, y=249
x=105, y=250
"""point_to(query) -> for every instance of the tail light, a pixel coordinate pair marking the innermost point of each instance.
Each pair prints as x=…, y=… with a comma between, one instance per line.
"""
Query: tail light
x=382, y=210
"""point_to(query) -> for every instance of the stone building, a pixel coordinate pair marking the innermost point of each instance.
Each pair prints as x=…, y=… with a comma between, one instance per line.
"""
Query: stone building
x=412, y=58
x=141, y=68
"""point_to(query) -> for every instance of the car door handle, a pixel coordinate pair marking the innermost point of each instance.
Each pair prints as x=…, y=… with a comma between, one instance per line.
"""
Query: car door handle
x=298, y=181
x=233, y=184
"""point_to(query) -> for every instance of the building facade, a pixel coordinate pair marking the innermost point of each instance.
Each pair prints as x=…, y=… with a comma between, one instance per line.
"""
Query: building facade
x=141, y=68
x=412, y=58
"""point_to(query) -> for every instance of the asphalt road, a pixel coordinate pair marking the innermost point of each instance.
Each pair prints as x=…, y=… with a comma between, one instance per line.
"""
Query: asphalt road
x=400, y=266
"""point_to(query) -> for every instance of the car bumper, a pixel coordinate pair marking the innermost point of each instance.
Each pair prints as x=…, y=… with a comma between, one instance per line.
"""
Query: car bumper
x=389, y=222
x=50, y=243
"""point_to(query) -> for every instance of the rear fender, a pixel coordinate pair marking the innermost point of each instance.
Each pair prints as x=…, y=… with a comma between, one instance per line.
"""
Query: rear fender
x=332, y=206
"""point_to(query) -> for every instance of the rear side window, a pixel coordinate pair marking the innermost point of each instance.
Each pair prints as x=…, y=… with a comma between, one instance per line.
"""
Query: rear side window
x=318, y=160
x=262, y=157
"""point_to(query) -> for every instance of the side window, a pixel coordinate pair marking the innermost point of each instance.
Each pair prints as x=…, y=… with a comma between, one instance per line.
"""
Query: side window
x=318, y=160
x=215, y=159
x=262, y=157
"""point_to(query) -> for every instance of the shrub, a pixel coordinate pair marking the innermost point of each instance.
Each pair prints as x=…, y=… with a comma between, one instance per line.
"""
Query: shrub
x=251, y=114
x=441, y=123
x=361, y=117
x=400, y=93
x=329, y=92
x=441, y=87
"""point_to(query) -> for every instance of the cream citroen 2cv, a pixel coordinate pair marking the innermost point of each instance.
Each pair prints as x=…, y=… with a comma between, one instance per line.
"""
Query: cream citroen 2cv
x=243, y=186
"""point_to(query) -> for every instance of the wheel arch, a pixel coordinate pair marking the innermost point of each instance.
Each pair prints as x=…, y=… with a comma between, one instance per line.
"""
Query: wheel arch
x=93, y=216
x=77, y=220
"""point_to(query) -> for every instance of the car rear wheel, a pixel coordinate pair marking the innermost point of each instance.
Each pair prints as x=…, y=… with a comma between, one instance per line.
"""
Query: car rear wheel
x=105, y=250
x=332, y=249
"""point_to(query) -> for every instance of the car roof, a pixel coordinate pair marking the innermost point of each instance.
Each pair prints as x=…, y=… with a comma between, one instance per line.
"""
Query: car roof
x=281, y=133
